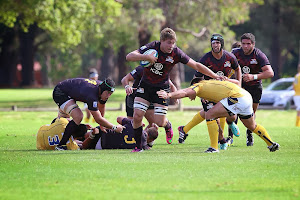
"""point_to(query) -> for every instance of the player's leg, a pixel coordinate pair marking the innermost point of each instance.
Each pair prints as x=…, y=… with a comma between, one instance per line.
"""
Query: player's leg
x=160, y=112
x=129, y=106
x=297, y=103
x=140, y=107
x=258, y=129
x=213, y=129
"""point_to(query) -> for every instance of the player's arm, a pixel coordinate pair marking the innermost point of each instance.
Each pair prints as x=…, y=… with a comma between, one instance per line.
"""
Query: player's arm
x=202, y=68
x=267, y=72
x=172, y=86
x=101, y=108
x=179, y=94
x=137, y=56
x=125, y=82
x=104, y=122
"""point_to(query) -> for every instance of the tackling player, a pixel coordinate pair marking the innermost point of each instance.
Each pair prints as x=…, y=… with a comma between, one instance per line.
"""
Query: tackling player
x=94, y=93
x=255, y=67
x=230, y=100
x=156, y=77
x=222, y=63
x=296, y=86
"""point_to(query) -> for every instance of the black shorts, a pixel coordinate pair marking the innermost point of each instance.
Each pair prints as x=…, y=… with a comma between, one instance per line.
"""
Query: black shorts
x=129, y=105
x=148, y=92
x=255, y=92
x=59, y=96
x=207, y=104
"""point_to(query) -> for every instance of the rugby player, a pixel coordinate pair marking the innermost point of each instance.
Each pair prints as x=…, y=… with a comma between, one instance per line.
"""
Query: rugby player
x=156, y=77
x=135, y=77
x=94, y=93
x=255, y=67
x=296, y=87
x=225, y=64
x=230, y=100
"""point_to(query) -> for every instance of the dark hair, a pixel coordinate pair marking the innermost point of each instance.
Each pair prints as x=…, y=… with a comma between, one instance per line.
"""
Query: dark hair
x=236, y=45
x=218, y=37
x=152, y=133
x=248, y=36
x=108, y=85
x=196, y=80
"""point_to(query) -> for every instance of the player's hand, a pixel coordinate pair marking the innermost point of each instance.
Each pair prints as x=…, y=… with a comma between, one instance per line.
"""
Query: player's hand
x=248, y=77
x=96, y=131
x=162, y=94
x=222, y=78
x=120, y=128
x=103, y=129
x=151, y=58
x=88, y=126
x=128, y=89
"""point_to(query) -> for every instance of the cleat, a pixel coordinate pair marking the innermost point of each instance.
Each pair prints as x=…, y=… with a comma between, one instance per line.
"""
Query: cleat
x=182, y=135
x=136, y=150
x=61, y=148
x=234, y=129
x=274, y=147
x=169, y=136
x=229, y=140
x=211, y=150
x=250, y=139
x=223, y=146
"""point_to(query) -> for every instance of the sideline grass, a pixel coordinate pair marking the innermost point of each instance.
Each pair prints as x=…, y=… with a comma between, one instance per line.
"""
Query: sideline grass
x=166, y=172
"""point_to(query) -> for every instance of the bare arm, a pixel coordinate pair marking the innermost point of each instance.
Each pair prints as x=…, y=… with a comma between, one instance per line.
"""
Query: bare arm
x=137, y=56
x=101, y=108
x=104, y=122
x=125, y=82
x=179, y=94
x=267, y=72
x=202, y=68
x=172, y=86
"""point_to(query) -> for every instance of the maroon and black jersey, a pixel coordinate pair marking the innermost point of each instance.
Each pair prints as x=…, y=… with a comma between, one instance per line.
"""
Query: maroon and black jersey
x=251, y=64
x=223, y=67
x=158, y=74
x=84, y=90
x=124, y=140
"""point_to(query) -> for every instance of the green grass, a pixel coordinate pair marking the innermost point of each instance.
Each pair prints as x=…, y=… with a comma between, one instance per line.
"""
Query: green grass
x=165, y=172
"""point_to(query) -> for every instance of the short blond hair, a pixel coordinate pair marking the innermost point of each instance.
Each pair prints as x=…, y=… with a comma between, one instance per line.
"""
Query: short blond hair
x=167, y=33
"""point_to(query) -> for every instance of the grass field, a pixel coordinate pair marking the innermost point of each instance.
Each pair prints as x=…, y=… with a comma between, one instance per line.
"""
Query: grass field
x=165, y=172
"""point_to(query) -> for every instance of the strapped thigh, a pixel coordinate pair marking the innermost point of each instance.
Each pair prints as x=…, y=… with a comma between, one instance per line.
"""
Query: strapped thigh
x=158, y=110
x=70, y=108
x=141, y=106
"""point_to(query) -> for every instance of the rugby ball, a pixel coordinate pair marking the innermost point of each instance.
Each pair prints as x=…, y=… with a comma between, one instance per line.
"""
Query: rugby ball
x=146, y=63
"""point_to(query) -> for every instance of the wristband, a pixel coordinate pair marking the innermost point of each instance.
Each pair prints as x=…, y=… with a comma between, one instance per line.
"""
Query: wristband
x=114, y=127
x=91, y=136
x=255, y=77
x=127, y=86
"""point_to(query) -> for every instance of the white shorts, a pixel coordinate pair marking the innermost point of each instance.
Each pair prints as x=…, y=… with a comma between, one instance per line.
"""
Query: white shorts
x=241, y=105
x=297, y=102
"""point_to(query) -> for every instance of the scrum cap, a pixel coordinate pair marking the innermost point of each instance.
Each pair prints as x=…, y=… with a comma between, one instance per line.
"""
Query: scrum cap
x=218, y=37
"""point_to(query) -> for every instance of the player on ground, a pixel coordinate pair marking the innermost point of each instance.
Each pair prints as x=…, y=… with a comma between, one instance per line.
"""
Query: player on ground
x=230, y=100
x=94, y=93
x=156, y=77
x=135, y=77
x=255, y=67
x=296, y=86
x=223, y=63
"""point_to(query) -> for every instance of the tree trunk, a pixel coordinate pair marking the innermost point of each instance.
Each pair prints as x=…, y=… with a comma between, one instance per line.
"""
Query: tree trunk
x=8, y=57
x=27, y=55
x=275, y=44
x=123, y=68
x=107, y=65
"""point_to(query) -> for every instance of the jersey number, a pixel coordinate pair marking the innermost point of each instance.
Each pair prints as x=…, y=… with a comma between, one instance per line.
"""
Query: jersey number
x=129, y=141
x=91, y=81
x=53, y=140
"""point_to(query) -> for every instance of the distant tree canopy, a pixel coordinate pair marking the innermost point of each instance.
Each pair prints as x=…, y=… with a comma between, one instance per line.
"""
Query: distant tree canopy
x=68, y=37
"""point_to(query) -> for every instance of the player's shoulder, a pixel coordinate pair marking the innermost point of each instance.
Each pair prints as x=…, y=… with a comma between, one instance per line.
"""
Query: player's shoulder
x=237, y=50
x=258, y=52
x=229, y=54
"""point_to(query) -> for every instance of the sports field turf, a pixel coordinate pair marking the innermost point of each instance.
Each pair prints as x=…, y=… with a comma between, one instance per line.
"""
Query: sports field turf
x=165, y=172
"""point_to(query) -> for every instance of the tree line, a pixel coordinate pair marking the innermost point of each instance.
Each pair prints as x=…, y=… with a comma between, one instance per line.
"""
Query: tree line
x=68, y=37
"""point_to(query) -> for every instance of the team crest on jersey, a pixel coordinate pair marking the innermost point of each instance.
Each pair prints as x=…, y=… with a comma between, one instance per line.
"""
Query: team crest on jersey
x=143, y=47
x=253, y=61
x=140, y=90
x=133, y=71
x=227, y=64
x=157, y=69
x=246, y=70
x=220, y=73
x=170, y=59
x=95, y=104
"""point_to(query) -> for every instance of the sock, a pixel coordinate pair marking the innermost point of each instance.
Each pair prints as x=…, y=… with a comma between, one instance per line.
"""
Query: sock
x=263, y=134
x=70, y=128
x=298, y=121
x=138, y=136
x=223, y=141
x=197, y=119
x=222, y=123
x=213, y=130
x=168, y=126
x=248, y=131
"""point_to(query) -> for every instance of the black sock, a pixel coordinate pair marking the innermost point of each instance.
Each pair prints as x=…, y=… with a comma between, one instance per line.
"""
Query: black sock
x=229, y=130
x=248, y=132
x=168, y=126
x=138, y=136
x=71, y=128
x=223, y=141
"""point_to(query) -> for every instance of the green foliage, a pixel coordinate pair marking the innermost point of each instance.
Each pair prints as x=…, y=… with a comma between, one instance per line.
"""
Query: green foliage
x=165, y=172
